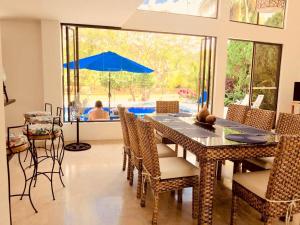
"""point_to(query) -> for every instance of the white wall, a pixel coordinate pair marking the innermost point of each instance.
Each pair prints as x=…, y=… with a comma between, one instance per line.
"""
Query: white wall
x=32, y=59
x=53, y=92
x=42, y=51
x=22, y=60
x=4, y=211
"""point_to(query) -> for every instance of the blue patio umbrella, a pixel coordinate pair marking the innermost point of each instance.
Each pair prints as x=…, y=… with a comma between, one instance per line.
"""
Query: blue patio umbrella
x=109, y=62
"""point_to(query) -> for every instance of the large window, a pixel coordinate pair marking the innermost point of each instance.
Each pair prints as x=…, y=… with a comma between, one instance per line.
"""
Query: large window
x=183, y=70
x=252, y=76
x=205, y=8
x=261, y=12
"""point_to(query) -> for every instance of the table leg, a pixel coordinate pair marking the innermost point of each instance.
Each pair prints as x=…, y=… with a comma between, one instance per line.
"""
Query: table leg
x=206, y=191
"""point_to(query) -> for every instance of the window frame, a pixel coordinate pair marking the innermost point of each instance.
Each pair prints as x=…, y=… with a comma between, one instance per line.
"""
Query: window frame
x=64, y=25
x=209, y=17
x=280, y=45
x=263, y=25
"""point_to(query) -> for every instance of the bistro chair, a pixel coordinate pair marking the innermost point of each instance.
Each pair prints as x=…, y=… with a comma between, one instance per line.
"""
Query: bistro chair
x=47, y=132
x=260, y=119
x=126, y=143
x=164, y=174
x=237, y=113
x=167, y=107
x=287, y=124
x=136, y=156
x=274, y=193
x=16, y=144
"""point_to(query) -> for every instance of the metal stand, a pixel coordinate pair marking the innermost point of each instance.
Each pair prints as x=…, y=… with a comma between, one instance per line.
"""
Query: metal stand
x=78, y=146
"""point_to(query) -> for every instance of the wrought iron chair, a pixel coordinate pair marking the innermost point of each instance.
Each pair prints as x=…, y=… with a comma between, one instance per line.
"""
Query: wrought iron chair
x=164, y=174
x=47, y=132
x=136, y=156
x=16, y=144
x=274, y=193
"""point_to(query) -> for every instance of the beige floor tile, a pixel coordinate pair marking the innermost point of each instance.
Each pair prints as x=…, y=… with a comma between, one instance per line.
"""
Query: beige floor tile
x=97, y=193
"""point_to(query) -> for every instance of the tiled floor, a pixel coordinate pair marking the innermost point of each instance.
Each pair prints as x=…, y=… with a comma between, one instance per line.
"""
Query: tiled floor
x=97, y=193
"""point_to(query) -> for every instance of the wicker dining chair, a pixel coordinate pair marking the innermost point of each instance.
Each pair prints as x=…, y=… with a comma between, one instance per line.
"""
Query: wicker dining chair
x=237, y=113
x=136, y=156
x=167, y=107
x=126, y=143
x=272, y=192
x=287, y=124
x=260, y=118
x=164, y=174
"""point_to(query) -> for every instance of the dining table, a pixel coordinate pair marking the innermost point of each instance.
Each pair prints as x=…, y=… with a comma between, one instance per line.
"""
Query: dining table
x=211, y=145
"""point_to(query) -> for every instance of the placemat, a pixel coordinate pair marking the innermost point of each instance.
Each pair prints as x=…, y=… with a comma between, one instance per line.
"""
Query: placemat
x=246, y=138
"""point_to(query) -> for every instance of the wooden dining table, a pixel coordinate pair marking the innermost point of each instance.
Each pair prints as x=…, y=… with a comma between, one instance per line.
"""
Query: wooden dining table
x=210, y=146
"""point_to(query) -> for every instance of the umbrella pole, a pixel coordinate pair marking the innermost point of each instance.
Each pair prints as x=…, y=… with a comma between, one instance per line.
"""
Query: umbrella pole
x=109, y=94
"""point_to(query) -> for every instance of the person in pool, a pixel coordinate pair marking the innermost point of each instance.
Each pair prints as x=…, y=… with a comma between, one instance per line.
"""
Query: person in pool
x=98, y=113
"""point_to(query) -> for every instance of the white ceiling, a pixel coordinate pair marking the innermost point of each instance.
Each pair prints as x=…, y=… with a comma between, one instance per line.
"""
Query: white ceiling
x=95, y=12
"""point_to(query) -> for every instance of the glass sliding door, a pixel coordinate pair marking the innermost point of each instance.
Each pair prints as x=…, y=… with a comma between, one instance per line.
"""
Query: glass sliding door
x=265, y=75
x=252, y=75
x=71, y=78
x=183, y=70
x=206, y=72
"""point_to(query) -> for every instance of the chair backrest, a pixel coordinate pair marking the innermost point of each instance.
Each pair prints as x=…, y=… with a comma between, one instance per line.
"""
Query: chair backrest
x=59, y=111
x=133, y=134
x=121, y=111
x=260, y=118
x=284, y=181
x=148, y=147
x=259, y=99
x=245, y=101
x=48, y=107
x=288, y=124
x=167, y=106
x=237, y=113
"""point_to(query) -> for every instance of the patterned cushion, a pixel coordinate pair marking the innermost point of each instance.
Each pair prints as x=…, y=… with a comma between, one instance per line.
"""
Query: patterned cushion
x=36, y=113
x=42, y=129
x=16, y=140
x=40, y=119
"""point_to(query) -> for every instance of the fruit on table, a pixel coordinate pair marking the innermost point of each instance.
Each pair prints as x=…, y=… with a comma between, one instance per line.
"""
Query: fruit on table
x=210, y=119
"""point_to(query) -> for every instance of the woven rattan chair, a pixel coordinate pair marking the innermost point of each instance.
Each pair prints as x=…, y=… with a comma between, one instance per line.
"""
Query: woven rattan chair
x=136, y=156
x=167, y=107
x=271, y=191
x=287, y=124
x=260, y=118
x=164, y=174
x=237, y=113
x=126, y=146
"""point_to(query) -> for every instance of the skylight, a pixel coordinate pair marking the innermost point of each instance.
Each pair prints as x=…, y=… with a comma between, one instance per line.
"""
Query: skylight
x=205, y=8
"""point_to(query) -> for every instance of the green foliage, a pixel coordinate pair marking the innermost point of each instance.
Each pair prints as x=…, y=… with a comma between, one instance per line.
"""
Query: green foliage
x=239, y=63
x=174, y=58
x=264, y=75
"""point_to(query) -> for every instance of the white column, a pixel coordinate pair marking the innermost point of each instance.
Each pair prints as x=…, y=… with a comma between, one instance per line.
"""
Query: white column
x=52, y=62
x=4, y=210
